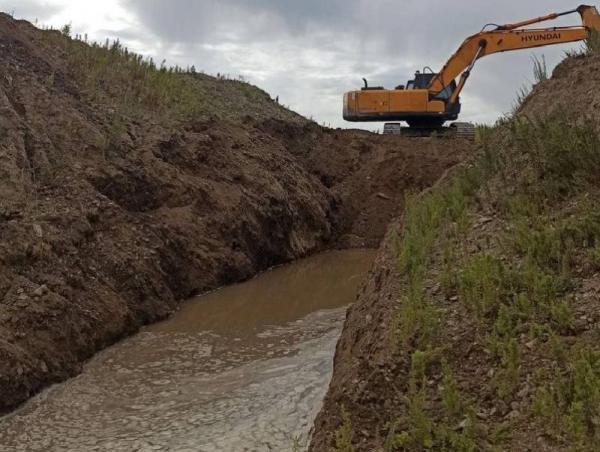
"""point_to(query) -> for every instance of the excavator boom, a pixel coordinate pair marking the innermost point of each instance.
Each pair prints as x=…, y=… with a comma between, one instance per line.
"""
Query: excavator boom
x=431, y=99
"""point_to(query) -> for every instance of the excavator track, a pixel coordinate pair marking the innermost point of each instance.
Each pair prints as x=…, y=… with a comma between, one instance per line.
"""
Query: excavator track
x=456, y=130
x=464, y=130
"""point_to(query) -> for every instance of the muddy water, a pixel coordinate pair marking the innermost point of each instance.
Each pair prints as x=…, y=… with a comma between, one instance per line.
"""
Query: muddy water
x=244, y=368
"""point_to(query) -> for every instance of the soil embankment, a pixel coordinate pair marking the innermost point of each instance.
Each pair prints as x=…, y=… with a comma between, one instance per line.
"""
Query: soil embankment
x=125, y=188
x=477, y=328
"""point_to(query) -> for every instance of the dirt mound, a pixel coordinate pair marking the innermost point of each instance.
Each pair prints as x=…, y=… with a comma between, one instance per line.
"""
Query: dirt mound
x=571, y=91
x=477, y=328
x=125, y=188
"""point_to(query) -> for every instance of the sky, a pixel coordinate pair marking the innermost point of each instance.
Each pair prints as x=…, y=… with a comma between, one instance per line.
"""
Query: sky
x=309, y=52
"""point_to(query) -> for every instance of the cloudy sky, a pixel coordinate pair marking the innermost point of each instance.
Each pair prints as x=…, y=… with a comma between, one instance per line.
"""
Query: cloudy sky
x=308, y=52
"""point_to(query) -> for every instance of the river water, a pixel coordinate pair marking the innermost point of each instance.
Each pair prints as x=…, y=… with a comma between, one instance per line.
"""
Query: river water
x=244, y=368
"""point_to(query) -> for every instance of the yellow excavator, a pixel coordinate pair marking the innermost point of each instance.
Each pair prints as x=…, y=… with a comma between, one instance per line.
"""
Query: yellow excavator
x=431, y=99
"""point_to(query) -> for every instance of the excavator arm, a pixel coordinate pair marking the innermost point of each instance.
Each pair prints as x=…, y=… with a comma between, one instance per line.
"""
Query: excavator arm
x=511, y=37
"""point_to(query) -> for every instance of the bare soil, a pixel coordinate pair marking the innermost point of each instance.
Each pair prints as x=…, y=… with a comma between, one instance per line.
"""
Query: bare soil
x=104, y=229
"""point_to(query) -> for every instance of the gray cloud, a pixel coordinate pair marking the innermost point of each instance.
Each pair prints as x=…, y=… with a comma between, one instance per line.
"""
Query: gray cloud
x=30, y=9
x=309, y=52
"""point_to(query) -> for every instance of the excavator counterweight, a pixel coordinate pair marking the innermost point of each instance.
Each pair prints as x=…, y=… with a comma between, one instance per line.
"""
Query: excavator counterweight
x=431, y=99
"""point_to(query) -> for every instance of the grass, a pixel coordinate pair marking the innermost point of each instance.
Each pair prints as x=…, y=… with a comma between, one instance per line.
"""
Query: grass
x=541, y=185
x=540, y=74
x=570, y=403
x=540, y=69
x=417, y=430
x=133, y=86
x=344, y=434
x=416, y=321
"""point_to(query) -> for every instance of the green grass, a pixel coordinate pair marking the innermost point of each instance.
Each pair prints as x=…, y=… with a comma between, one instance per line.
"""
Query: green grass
x=133, y=86
x=540, y=69
x=561, y=157
x=344, y=435
x=569, y=400
x=418, y=430
x=541, y=184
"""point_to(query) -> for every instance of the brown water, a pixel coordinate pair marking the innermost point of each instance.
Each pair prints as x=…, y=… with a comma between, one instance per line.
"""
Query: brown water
x=244, y=368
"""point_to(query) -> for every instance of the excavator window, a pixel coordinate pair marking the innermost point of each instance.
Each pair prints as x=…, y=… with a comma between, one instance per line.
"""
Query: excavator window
x=446, y=93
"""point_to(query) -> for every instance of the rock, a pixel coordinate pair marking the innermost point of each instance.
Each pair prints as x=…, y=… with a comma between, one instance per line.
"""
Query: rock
x=42, y=290
x=38, y=230
x=513, y=414
x=23, y=297
x=462, y=425
x=383, y=196
x=523, y=392
x=501, y=407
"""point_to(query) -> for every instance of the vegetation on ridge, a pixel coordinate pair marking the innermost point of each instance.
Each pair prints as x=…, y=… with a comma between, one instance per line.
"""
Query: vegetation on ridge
x=135, y=86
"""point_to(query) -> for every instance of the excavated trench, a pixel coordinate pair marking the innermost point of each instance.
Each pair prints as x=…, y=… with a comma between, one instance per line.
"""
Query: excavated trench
x=242, y=368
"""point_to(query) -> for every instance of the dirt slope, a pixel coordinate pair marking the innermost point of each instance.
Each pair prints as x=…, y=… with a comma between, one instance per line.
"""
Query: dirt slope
x=570, y=91
x=125, y=188
x=477, y=328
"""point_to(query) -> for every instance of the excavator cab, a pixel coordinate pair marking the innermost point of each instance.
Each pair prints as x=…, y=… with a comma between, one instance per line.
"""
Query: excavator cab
x=421, y=80
x=412, y=103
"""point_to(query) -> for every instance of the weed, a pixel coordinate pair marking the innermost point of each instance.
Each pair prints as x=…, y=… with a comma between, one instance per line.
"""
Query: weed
x=422, y=218
x=418, y=434
x=570, y=400
x=109, y=73
x=66, y=30
x=298, y=444
x=344, y=434
x=540, y=69
x=563, y=157
x=561, y=316
x=522, y=95
x=483, y=284
x=594, y=256
x=508, y=376
x=416, y=321
x=449, y=276
x=484, y=134
x=450, y=396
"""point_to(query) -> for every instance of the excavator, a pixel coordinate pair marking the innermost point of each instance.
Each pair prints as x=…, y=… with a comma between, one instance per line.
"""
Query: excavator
x=431, y=99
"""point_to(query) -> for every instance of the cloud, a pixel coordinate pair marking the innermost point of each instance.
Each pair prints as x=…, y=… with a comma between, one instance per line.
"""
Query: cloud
x=309, y=52
x=30, y=9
